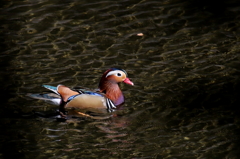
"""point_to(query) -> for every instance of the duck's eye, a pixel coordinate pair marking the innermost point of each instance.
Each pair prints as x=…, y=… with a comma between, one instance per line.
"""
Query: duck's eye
x=119, y=74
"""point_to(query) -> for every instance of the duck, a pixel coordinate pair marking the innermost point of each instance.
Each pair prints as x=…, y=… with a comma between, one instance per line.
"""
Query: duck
x=106, y=99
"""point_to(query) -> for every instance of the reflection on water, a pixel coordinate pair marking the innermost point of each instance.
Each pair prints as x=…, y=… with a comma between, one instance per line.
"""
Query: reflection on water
x=185, y=68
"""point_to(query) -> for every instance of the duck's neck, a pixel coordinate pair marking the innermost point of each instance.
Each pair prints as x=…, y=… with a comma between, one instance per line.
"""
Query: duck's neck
x=112, y=92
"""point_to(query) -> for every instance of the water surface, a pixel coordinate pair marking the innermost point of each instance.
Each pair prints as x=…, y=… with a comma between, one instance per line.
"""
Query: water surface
x=185, y=67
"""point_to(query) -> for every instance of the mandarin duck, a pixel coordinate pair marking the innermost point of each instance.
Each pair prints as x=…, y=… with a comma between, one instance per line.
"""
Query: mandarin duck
x=81, y=101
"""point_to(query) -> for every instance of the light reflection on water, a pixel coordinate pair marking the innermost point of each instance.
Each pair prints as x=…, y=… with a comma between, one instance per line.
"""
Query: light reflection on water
x=185, y=70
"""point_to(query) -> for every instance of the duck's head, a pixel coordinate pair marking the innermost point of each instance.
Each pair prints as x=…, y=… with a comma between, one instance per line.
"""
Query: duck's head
x=114, y=76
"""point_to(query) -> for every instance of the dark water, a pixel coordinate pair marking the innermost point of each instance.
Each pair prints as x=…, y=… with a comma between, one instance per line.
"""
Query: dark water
x=186, y=98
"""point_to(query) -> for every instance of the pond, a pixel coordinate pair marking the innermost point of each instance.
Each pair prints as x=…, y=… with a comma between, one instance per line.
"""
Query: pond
x=183, y=57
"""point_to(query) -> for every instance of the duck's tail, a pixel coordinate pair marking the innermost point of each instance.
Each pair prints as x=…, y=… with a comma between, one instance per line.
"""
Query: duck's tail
x=52, y=98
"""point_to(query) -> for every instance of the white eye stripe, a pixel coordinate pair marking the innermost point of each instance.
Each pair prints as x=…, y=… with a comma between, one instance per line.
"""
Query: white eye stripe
x=114, y=73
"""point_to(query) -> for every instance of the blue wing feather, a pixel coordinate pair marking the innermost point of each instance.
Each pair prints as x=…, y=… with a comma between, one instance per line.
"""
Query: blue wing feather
x=84, y=92
x=51, y=88
x=92, y=93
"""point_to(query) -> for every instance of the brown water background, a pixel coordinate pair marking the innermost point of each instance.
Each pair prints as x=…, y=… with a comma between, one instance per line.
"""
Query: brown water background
x=185, y=67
